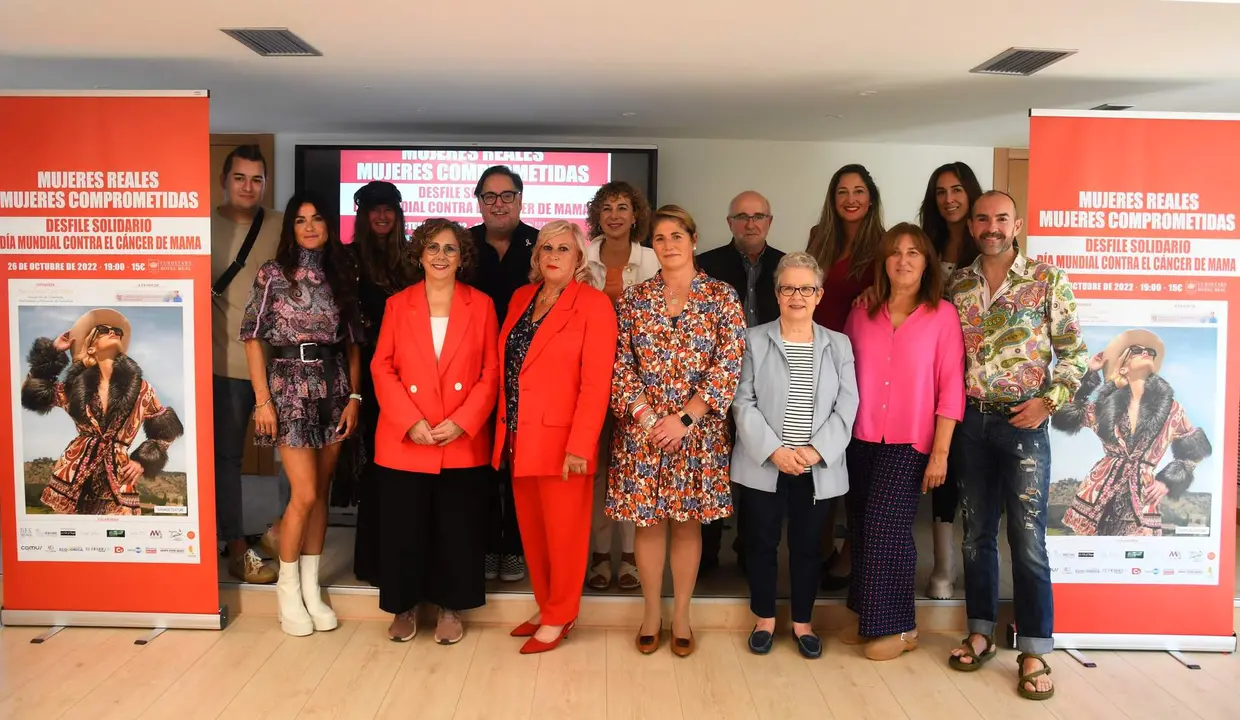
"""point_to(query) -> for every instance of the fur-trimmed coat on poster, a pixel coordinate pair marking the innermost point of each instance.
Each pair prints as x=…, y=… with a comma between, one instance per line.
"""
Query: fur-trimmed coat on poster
x=86, y=479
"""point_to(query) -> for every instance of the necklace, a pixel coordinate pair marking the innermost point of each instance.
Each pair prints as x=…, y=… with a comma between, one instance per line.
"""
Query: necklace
x=675, y=296
x=549, y=297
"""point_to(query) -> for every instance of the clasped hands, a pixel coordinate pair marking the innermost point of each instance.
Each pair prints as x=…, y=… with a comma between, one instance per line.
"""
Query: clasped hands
x=445, y=432
x=793, y=461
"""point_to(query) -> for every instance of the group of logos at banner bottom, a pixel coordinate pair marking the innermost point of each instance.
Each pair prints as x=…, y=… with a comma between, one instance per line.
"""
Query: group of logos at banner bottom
x=167, y=544
x=1144, y=564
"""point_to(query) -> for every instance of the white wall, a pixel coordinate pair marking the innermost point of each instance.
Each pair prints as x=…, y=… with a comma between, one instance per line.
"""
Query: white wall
x=704, y=175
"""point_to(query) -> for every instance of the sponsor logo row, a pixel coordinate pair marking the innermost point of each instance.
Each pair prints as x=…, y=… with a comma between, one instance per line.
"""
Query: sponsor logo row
x=159, y=534
x=1197, y=556
x=108, y=550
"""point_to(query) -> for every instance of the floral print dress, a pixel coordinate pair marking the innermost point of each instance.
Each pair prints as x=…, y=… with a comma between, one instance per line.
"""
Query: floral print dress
x=286, y=316
x=669, y=361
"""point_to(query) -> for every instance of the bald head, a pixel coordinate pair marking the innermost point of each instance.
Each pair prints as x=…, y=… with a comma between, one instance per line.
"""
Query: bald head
x=749, y=216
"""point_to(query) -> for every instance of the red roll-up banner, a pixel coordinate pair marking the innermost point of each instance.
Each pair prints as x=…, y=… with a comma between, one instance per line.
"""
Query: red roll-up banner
x=1141, y=213
x=108, y=517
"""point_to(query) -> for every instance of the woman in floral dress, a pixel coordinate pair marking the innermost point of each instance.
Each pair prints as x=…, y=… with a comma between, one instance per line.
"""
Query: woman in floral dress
x=678, y=362
x=303, y=309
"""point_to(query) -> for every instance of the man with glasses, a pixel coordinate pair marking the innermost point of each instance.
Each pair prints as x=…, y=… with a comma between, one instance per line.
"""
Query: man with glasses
x=1015, y=314
x=747, y=263
x=504, y=246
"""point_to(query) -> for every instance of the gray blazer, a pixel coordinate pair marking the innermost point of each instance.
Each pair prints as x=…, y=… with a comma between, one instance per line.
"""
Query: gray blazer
x=763, y=394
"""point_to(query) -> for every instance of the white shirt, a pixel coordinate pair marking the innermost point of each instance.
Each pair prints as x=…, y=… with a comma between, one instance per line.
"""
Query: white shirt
x=643, y=264
x=439, y=329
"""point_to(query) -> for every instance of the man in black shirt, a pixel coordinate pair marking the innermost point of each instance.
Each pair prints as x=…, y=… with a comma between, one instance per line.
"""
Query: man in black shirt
x=504, y=245
x=748, y=265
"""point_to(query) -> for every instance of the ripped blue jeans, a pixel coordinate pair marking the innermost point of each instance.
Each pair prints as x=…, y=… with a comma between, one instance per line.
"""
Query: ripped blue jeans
x=1002, y=468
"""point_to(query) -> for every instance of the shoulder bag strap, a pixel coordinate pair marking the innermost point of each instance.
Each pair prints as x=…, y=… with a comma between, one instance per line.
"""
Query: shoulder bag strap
x=221, y=283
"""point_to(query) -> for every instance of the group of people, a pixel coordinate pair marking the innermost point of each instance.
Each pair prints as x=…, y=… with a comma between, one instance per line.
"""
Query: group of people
x=525, y=395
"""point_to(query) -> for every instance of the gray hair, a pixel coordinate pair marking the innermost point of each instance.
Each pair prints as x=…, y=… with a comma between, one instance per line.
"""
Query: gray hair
x=799, y=260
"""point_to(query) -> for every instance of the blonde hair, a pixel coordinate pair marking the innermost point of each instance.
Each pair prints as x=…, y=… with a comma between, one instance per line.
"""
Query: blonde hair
x=85, y=356
x=555, y=228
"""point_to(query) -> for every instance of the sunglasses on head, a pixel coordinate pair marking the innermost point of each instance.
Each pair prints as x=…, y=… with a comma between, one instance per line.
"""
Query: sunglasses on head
x=1142, y=350
x=101, y=330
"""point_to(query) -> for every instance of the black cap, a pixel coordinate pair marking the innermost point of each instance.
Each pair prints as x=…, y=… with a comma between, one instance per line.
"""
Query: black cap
x=376, y=193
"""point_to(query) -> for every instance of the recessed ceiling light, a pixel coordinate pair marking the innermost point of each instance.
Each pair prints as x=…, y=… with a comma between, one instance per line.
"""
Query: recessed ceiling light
x=366, y=87
x=869, y=92
x=628, y=114
x=833, y=117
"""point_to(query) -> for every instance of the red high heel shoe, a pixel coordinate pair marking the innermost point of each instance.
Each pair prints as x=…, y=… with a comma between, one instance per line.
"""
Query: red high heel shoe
x=534, y=645
x=525, y=629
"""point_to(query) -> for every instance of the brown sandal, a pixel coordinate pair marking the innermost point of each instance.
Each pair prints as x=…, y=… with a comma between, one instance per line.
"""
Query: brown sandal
x=683, y=647
x=1032, y=678
x=628, y=579
x=600, y=576
x=975, y=661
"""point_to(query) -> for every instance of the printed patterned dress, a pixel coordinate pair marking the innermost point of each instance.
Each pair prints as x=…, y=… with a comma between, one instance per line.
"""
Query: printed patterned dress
x=282, y=316
x=669, y=360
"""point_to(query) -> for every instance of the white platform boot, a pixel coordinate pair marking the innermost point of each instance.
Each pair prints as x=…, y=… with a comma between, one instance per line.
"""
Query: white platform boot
x=323, y=617
x=294, y=619
x=941, y=579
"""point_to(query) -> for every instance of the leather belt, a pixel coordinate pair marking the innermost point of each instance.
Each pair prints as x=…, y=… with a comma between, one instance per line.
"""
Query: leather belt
x=329, y=356
x=994, y=407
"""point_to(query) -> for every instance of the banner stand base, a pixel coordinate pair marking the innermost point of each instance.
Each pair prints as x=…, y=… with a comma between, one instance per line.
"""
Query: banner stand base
x=152, y=621
x=1073, y=643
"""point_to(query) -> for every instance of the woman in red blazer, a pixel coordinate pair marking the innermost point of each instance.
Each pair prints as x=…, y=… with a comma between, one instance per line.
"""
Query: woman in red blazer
x=558, y=346
x=436, y=375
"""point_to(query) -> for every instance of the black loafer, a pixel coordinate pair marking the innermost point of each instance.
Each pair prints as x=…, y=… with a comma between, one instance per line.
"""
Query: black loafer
x=808, y=644
x=760, y=641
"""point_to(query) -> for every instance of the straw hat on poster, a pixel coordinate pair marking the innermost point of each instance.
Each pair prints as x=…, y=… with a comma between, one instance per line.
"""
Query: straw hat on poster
x=100, y=316
x=1120, y=343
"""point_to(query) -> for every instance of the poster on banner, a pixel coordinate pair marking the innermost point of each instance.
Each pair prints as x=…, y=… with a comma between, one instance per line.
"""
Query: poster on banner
x=440, y=183
x=138, y=502
x=105, y=255
x=1143, y=479
x=1175, y=354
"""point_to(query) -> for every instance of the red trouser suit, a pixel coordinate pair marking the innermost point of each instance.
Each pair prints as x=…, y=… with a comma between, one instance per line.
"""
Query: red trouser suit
x=563, y=388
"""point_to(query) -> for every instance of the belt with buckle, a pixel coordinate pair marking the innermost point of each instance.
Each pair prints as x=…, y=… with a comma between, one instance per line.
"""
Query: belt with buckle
x=994, y=407
x=315, y=352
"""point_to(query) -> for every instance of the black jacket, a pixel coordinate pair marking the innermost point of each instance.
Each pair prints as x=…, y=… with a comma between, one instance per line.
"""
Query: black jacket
x=500, y=278
x=726, y=264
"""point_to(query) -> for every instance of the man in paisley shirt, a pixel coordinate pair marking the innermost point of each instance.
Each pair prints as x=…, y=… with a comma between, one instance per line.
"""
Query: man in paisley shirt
x=1024, y=358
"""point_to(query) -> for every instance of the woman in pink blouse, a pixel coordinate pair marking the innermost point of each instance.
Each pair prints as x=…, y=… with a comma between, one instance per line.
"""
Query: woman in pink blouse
x=909, y=353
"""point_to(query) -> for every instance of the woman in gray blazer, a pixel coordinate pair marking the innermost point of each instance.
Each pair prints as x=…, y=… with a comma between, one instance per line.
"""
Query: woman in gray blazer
x=794, y=412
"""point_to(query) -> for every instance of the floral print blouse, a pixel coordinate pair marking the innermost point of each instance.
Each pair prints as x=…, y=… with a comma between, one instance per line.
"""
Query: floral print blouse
x=669, y=361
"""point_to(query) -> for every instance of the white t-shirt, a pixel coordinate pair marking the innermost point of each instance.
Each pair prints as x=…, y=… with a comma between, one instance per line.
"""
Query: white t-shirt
x=439, y=329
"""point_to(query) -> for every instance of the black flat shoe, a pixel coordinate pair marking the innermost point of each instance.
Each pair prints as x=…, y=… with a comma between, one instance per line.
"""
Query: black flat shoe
x=809, y=645
x=760, y=641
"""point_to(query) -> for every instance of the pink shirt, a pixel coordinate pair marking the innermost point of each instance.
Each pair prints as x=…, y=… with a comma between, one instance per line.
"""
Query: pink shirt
x=907, y=376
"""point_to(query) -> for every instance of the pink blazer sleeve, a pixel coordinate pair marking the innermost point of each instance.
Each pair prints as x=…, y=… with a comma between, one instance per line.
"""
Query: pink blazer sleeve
x=949, y=363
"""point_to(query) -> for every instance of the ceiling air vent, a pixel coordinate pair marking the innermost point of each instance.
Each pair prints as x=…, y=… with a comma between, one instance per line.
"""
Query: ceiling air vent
x=272, y=42
x=1021, y=61
x=1111, y=108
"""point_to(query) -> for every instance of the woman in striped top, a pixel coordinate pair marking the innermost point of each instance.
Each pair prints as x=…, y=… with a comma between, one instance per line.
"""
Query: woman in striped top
x=794, y=413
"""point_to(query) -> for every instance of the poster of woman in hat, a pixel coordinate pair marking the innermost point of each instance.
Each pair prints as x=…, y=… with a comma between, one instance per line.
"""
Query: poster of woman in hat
x=105, y=395
x=1137, y=419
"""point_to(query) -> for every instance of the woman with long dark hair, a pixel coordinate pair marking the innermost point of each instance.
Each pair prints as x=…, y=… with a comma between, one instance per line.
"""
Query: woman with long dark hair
x=303, y=307
x=844, y=242
x=944, y=215
x=385, y=267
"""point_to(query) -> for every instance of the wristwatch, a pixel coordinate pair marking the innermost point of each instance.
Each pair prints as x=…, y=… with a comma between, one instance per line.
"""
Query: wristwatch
x=686, y=419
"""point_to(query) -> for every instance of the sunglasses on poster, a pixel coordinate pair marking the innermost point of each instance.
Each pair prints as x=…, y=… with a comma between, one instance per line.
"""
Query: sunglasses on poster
x=1134, y=350
x=101, y=330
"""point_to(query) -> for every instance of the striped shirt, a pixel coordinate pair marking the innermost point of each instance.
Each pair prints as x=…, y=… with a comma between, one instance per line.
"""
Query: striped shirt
x=799, y=413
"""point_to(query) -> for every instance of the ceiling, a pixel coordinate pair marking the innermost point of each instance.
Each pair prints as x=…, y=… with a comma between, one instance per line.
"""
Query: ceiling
x=776, y=69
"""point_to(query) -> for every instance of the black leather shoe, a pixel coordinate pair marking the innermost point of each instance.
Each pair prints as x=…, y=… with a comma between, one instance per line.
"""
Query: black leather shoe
x=809, y=645
x=760, y=641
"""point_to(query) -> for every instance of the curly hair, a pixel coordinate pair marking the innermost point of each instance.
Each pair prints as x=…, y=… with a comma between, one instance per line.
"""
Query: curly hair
x=422, y=237
x=640, y=232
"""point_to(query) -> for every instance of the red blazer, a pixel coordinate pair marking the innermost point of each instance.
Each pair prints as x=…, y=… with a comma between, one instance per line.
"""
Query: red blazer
x=565, y=381
x=411, y=385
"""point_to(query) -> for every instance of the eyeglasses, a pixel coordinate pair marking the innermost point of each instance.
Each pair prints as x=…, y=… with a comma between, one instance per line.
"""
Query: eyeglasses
x=508, y=196
x=1142, y=350
x=101, y=330
x=804, y=290
x=435, y=248
x=743, y=218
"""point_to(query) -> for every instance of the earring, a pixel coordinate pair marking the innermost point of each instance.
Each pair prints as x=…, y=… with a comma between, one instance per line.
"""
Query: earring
x=90, y=351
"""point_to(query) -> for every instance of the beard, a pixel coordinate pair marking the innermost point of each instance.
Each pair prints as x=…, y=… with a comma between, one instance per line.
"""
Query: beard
x=1003, y=245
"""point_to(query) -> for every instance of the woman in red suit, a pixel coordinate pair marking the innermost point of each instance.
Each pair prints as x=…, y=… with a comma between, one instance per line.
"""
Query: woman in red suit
x=557, y=349
x=436, y=375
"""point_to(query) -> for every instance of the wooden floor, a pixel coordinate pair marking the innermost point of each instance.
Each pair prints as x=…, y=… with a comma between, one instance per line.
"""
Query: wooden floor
x=253, y=670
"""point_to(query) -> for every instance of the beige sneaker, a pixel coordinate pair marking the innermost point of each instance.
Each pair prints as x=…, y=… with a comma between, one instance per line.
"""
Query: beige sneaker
x=250, y=568
x=449, y=630
x=270, y=544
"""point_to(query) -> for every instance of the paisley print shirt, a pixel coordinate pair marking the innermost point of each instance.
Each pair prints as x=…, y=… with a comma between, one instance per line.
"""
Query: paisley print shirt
x=1010, y=333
